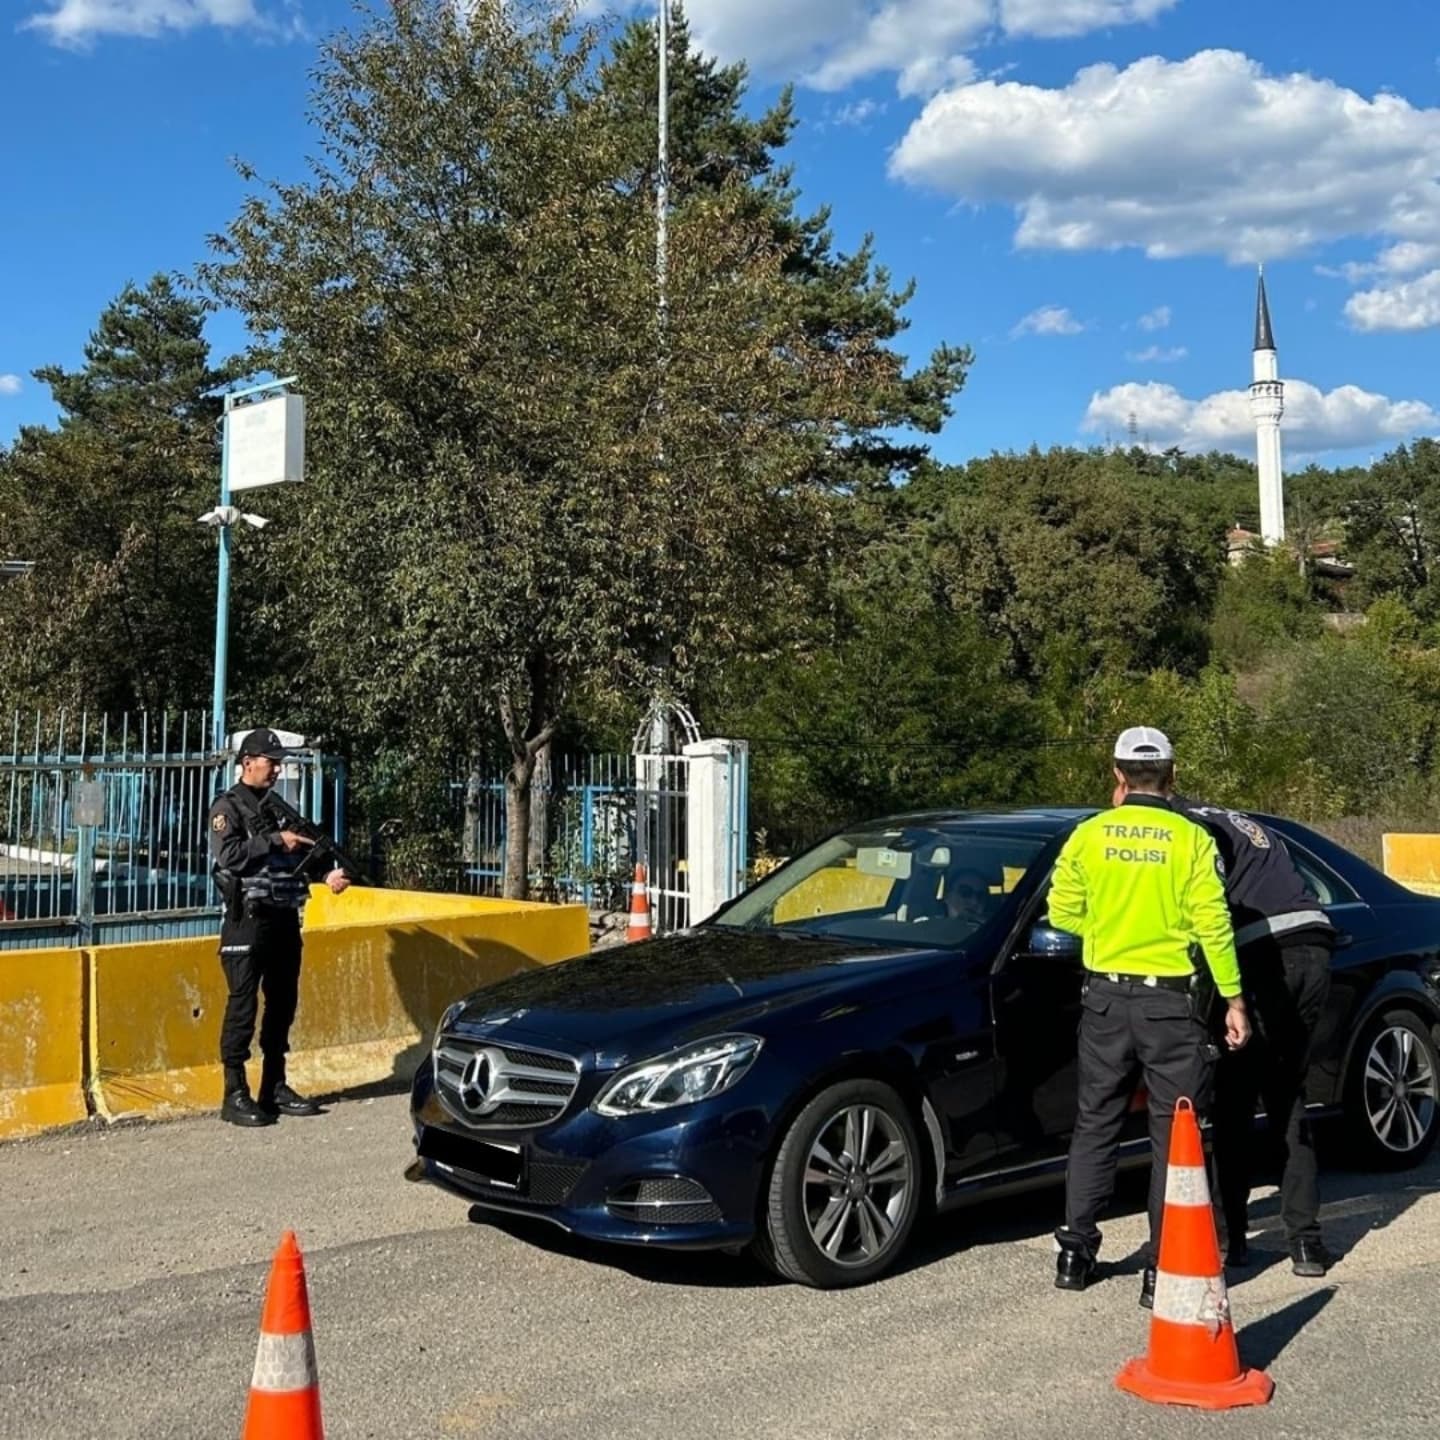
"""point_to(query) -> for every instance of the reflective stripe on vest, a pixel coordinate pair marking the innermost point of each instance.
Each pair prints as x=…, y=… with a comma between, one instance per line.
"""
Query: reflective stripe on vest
x=1283, y=925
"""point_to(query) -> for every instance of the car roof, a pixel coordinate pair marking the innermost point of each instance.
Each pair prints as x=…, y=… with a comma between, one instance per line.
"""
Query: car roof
x=1042, y=821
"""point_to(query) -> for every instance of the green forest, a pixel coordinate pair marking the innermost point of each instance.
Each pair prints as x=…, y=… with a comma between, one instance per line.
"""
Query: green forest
x=536, y=497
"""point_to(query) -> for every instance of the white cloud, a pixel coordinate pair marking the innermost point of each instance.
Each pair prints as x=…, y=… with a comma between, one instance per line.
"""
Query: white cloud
x=1209, y=155
x=10, y=384
x=79, y=22
x=1158, y=355
x=1410, y=305
x=1402, y=259
x=1156, y=319
x=832, y=43
x=1315, y=421
x=1048, y=320
x=857, y=113
x=1075, y=17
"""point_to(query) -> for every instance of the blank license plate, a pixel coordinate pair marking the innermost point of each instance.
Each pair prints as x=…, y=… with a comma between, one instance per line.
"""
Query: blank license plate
x=498, y=1163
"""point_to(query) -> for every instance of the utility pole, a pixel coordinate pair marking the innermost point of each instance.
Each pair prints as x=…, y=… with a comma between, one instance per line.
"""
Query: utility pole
x=662, y=179
x=660, y=724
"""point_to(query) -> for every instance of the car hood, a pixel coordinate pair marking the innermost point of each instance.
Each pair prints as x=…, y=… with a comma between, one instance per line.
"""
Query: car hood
x=639, y=999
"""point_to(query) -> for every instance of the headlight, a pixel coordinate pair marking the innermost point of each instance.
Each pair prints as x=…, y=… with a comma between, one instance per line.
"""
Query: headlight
x=680, y=1078
x=452, y=1013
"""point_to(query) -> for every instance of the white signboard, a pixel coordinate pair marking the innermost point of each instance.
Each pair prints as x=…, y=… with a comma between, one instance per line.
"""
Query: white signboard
x=87, y=802
x=266, y=442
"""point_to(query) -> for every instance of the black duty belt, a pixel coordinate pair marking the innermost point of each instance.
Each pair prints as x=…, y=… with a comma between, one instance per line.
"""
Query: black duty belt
x=1150, y=982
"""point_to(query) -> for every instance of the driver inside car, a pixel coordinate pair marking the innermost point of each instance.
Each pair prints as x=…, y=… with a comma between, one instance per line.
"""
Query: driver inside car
x=968, y=897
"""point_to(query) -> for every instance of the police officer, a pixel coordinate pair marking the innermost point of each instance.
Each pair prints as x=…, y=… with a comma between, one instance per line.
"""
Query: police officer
x=1285, y=941
x=255, y=862
x=1142, y=886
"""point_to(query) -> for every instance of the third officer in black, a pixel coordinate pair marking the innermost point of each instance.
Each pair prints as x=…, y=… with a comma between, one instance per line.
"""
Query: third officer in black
x=1285, y=941
x=256, y=864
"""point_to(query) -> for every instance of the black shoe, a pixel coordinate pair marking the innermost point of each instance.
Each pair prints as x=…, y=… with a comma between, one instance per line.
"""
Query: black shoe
x=1074, y=1269
x=1147, y=1289
x=1237, y=1257
x=239, y=1109
x=282, y=1100
x=1309, y=1258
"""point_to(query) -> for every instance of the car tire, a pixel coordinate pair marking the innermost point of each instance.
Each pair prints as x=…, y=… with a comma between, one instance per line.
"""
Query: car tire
x=1390, y=1130
x=844, y=1189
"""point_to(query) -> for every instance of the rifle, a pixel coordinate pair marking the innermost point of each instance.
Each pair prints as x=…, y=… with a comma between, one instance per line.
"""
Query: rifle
x=322, y=848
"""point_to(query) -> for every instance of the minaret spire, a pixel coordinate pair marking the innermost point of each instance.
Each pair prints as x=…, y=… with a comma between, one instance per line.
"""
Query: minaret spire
x=1264, y=335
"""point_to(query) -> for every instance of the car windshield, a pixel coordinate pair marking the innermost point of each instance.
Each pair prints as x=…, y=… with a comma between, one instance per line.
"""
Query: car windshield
x=906, y=885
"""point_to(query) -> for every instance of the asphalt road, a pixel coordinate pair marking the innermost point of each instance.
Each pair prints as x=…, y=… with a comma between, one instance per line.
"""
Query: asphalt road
x=133, y=1264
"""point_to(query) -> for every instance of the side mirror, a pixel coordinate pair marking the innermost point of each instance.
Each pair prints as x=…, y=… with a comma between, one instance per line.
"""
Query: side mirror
x=1051, y=944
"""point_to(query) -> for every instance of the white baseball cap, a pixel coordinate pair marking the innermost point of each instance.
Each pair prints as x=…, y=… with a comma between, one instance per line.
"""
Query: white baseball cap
x=1144, y=742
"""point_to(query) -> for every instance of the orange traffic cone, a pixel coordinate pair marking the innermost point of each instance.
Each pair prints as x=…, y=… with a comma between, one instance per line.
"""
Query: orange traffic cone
x=285, y=1389
x=639, y=928
x=1193, y=1357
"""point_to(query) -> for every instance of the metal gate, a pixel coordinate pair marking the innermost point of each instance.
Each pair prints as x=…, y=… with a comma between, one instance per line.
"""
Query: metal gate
x=596, y=817
x=139, y=867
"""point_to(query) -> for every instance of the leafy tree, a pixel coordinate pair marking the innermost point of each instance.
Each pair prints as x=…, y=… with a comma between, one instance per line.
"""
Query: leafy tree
x=506, y=510
x=105, y=503
x=1263, y=604
x=909, y=708
x=1393, y=527
x=1071, y=562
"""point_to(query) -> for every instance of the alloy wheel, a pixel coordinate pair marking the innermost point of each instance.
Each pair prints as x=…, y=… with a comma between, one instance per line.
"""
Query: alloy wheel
x=857, y=1184
x=1401, y=1092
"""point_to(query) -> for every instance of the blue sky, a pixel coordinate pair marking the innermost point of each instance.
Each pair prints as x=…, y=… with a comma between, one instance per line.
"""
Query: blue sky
x=1081, y=189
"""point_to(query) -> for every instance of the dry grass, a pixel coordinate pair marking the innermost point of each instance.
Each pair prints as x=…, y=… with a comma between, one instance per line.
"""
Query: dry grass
x=1361, y=833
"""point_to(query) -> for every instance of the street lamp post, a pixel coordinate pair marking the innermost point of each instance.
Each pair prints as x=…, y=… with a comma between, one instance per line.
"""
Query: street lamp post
x=225, y=516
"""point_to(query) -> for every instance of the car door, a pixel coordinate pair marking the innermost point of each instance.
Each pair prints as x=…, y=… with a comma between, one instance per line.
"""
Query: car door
x=955, y=1039
x=1361, y=951
x=1035, y=996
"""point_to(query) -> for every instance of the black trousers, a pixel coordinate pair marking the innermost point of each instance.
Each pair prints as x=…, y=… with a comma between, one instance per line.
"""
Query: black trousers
x=1129, y=1032
x=259, y=955
x=1287, y=987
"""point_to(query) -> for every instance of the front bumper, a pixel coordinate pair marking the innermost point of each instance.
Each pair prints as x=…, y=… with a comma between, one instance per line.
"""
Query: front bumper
x=586, y=1172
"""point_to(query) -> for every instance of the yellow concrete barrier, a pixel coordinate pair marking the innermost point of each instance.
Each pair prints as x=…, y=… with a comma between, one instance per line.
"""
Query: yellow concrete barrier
x=380, y=966
x=1414, y=860
x=41, y=1040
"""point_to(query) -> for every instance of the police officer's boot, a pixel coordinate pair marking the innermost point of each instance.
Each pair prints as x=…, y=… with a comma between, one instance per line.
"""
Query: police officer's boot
x=1147, y=1288
x=276, y=1097
x=1074, y=1268
x=238, y=1108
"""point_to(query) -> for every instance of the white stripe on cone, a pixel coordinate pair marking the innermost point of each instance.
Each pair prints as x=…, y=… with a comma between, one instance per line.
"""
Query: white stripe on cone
x=1187, y=1185
x=285, y=1362
x=1192, y=1300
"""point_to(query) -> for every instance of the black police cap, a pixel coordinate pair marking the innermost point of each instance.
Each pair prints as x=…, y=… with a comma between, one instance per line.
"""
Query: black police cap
x=263, y=742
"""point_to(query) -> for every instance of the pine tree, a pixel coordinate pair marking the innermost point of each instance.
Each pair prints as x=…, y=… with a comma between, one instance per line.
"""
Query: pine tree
x=105, y=503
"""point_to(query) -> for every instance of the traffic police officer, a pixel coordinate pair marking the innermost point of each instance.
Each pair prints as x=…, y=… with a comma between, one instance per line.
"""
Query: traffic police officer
x=1141, y=885
x=255, y=861
x=1285, y=941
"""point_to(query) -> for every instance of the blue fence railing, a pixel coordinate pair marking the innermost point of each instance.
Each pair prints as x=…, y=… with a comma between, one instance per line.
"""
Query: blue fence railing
x=142, y=869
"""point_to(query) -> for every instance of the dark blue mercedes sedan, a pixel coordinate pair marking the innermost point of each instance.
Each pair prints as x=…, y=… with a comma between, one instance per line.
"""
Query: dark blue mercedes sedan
x=885, y=1024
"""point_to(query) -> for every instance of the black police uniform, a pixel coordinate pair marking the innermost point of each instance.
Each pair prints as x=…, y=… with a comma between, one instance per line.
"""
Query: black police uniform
x=1284, y=941
x=259, y=950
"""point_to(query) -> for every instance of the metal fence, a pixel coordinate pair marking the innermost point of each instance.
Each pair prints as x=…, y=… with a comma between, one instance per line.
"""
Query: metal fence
x=593, y=817
x=142, y=872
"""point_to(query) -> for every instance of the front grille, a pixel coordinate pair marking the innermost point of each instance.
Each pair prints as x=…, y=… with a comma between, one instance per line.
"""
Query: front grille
x=510, y=1088
x=670, y=1200
x=550, y=1182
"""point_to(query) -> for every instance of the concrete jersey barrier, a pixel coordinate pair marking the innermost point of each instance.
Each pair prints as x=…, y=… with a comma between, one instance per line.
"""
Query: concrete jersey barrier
x=42, y=1082
x=135, y=1028
x=1414, y=861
